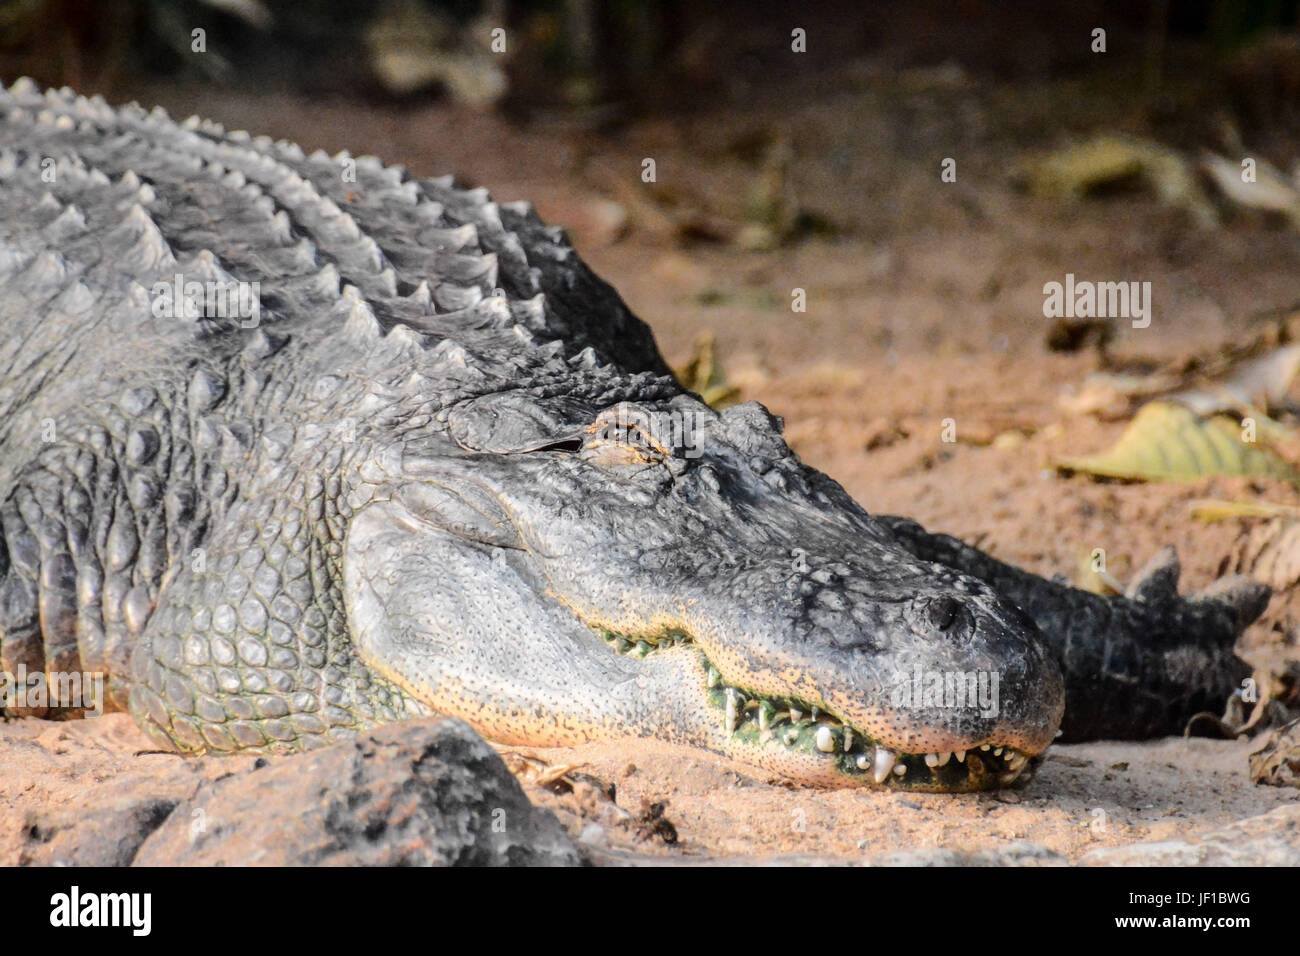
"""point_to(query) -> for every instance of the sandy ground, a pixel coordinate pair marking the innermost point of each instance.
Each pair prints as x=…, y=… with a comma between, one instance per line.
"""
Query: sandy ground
x=925, y=304
x=1085, y=796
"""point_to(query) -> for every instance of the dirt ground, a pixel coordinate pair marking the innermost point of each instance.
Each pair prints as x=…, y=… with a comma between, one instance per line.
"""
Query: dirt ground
x=1085, y=796
x=924, y=304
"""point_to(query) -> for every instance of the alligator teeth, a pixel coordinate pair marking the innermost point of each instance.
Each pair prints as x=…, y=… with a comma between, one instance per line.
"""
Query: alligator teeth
x=830, y=735
x=882, y=762
x=641, y=650
x=825, y=740
x=622, y=645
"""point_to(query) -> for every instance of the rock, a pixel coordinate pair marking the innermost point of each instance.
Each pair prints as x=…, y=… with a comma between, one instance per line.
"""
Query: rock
x=1272, y=839
x=85, y=795
x=423, y=793
x=1019, y=853
x=108, y=835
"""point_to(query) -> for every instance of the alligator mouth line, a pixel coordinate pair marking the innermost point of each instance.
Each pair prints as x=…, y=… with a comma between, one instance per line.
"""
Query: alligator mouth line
x=812, y=730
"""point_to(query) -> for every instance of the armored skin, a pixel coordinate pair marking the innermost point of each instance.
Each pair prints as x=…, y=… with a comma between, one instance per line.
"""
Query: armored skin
x=294, y=445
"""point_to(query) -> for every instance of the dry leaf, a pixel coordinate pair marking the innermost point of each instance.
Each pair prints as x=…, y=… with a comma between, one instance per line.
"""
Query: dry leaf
x=1269, y=192
x=1168, y=442
x=1262, y=383
x=1277, y=761
x=1270, y=552
x=1088, y=167
x=1213, y=509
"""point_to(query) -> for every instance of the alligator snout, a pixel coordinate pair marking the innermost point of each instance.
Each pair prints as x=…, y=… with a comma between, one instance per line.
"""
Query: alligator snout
x=919, y=679
x=980, y=673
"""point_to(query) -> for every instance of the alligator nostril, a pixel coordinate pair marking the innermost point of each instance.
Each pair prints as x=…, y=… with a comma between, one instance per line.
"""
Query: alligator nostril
x=943, y=611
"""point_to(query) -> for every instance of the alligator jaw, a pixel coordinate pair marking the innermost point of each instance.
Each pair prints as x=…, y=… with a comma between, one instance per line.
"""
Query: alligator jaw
x=481, y=585
x=807, y=743
x=563, y=685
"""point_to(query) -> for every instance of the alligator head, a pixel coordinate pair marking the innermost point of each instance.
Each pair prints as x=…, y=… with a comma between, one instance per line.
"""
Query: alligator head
x=662, y=570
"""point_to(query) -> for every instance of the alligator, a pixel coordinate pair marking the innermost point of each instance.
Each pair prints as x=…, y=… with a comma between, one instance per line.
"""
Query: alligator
x=293, y=445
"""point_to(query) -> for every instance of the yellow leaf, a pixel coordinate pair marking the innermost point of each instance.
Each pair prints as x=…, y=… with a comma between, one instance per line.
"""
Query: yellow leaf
x=1168, y=442
x=1214, y=509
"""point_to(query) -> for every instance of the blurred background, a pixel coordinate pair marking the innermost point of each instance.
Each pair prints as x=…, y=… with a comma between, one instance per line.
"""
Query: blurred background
x=1091, y=137
x=799, y=152
x=763, y=140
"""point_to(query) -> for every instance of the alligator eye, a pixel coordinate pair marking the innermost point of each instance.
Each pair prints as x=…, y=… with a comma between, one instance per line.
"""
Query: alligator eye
x=943, y=611
x=566, y=444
